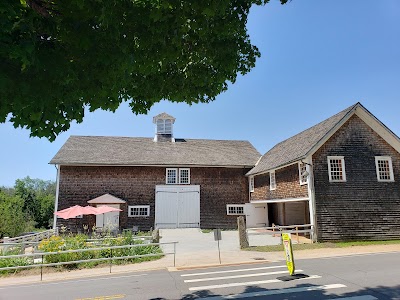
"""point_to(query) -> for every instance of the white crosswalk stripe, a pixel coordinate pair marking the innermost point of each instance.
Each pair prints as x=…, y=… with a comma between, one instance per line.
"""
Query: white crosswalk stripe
x=219, y=286
x=239, y=276
x=234, y=271
x=363, y=297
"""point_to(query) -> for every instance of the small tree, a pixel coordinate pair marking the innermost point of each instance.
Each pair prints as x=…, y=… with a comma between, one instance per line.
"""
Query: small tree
x=14, y=220
x=38, y=196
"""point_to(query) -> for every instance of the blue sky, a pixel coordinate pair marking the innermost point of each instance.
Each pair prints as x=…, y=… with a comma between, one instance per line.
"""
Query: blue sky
x=318, y=57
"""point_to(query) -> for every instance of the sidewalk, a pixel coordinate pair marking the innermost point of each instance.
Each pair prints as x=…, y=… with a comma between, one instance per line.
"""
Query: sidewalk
x=195, y=250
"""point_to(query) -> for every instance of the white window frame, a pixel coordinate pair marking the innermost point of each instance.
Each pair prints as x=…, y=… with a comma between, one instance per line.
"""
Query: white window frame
x=251, y=184
x=341, y=158
x=131, y=215
x=235, y=207
x=389, y=160
x=180, y=177
x=301, y=166
x=272, y=181
x=176, y=175
x=162, y=125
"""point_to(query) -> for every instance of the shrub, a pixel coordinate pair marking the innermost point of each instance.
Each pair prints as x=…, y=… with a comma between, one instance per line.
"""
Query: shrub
x=57, y=244
x=13, y=262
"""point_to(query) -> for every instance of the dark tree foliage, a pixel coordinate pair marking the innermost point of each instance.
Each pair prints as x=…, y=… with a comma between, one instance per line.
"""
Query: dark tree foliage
x=58, y=57
x=38, y=199
x=14, y=220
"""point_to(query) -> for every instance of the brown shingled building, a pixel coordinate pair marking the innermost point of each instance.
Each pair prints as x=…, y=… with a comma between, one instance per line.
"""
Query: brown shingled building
x=341, y=176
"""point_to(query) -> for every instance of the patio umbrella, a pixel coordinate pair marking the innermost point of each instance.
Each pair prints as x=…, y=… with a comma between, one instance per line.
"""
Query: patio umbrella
x=74, y=211
x=105, y=209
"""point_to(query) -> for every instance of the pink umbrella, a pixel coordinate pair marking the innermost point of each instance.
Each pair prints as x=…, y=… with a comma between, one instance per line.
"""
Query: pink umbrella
x=74, y=211
x=105, y=209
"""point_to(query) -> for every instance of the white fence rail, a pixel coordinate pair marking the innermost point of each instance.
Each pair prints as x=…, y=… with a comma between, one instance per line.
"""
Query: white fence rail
x=276, y=230
x=34, y=237
x=24, y=241
x=42, y=256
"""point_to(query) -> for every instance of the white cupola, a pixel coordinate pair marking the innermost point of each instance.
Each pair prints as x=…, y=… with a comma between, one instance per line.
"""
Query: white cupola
x=164, y=128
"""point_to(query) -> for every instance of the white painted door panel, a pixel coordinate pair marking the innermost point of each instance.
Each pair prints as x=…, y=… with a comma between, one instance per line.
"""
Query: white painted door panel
x=188, y=210
x=256, y=215
x=166, y=209
x=177, y=206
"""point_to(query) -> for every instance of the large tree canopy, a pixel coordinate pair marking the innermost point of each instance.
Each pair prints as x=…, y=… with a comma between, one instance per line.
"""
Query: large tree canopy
x=57, y=57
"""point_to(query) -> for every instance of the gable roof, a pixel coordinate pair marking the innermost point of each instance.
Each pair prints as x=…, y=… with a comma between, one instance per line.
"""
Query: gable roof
x=106, y=199
x=163, y=116
x=103, y=150
x=308, y=141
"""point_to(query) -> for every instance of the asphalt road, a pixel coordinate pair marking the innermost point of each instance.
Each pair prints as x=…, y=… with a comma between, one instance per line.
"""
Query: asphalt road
x=359, y=277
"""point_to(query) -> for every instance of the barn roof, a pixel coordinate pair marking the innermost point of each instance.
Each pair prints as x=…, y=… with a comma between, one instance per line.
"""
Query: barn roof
x=109, y=150
x=308, y=141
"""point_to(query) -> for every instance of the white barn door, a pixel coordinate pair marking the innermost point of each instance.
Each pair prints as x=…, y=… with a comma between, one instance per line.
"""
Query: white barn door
x=256, y=215
x=166, y=209
x=177, y=206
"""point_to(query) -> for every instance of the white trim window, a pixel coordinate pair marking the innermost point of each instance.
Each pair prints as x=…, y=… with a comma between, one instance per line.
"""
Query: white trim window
x=384, y=168
x=139, y=211
x=272, y=180
x=177, y=176
x=184, y=176
x=251, y=183
x=171, y=176
x=234, y=209
x=164, y=126
x=336, y=169
x=303, y=173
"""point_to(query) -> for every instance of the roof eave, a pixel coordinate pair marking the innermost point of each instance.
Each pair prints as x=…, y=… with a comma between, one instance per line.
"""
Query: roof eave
x=79, y=164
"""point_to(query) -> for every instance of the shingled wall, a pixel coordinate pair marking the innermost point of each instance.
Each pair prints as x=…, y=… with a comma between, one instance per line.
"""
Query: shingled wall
x=287, y=185
x=361, y=208
x=136, y=185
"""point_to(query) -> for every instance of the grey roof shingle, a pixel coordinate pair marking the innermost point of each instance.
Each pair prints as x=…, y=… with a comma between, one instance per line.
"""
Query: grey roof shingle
x=103, y=150
x=298, y=146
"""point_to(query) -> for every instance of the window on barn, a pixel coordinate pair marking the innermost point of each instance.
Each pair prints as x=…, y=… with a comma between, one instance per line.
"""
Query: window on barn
x=272, y=181
x=164, y=126
x=336, y=168
x=184, y=176
x=303, y=174
x=384, y=168
x=139, y=211
x=251, y=183
x=172, y=176
x=177, y=176
x=235, y=209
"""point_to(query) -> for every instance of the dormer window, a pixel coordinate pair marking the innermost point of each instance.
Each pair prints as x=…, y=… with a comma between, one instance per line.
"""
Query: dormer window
x=164, y=132
x=164, y=126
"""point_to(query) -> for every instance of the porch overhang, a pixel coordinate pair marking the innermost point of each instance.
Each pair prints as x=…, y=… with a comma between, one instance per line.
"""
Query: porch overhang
x=286, y=200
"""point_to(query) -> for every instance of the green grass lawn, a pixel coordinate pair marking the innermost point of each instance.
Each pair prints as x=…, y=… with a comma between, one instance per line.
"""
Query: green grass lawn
x=321, y=245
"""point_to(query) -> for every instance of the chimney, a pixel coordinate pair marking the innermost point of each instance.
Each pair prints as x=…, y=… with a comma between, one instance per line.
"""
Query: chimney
x=164, y=125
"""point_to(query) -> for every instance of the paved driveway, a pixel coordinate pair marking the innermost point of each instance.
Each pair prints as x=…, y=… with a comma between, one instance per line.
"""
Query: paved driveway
x=197, y=248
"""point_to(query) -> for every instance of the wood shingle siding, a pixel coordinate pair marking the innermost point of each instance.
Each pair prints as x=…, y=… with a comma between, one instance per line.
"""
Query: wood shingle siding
x=136, y=185
x=287, y=185
x=360, y=208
